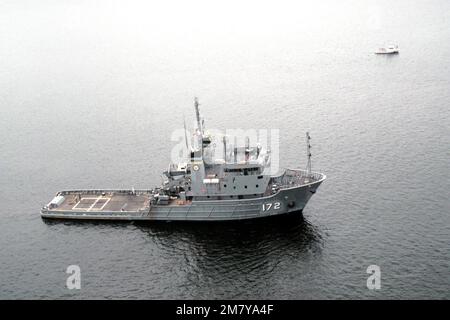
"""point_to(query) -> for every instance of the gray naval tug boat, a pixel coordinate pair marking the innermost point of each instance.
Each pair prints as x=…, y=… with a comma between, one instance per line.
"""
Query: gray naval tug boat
x=205, y=188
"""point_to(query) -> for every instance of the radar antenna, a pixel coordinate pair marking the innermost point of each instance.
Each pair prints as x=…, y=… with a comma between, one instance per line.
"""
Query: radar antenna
x=308, y=153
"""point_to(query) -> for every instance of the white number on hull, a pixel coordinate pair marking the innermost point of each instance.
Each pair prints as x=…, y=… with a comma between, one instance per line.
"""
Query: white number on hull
x=268, y=206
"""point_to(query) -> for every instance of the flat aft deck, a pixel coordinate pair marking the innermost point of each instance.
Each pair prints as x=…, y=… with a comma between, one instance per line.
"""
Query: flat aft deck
x=110, y=202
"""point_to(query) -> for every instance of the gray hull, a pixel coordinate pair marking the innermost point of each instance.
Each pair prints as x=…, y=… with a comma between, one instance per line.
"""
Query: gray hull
x=286, y=200
x=289, y=192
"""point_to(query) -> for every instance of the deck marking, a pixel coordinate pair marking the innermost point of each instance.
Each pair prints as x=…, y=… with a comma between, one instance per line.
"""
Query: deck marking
x=107, y=200
x=81, y=200
x=75, y=207
x=95, y=202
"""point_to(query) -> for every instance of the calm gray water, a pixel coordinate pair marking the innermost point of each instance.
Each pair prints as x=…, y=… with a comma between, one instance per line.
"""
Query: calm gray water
x=90, y=93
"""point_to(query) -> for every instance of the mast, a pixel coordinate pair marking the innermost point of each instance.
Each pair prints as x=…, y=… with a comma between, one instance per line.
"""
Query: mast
x=198, y=142
x=308, y=153
x=185, y=134
x=247, y=149
x=225, y=148
x=197, y=115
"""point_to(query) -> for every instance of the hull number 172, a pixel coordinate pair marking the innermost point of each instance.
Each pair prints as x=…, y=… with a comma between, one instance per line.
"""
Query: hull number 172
x=270, y=205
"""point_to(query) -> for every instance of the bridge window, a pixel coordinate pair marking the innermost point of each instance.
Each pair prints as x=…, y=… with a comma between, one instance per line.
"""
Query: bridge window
x=245, y=170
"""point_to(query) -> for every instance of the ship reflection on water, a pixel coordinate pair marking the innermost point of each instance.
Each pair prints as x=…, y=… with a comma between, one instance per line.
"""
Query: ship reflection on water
x=239, y=259
x=290, y=233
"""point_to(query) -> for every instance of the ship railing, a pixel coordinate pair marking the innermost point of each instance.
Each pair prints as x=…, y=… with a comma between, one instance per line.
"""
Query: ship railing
x=293, y=177
x=303, y=173
x=106, y=191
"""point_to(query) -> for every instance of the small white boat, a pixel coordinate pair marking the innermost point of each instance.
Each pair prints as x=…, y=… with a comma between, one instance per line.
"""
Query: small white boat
x=391, y=49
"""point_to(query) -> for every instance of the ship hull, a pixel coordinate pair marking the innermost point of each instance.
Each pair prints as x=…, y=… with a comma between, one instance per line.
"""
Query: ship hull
x=286, y=200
